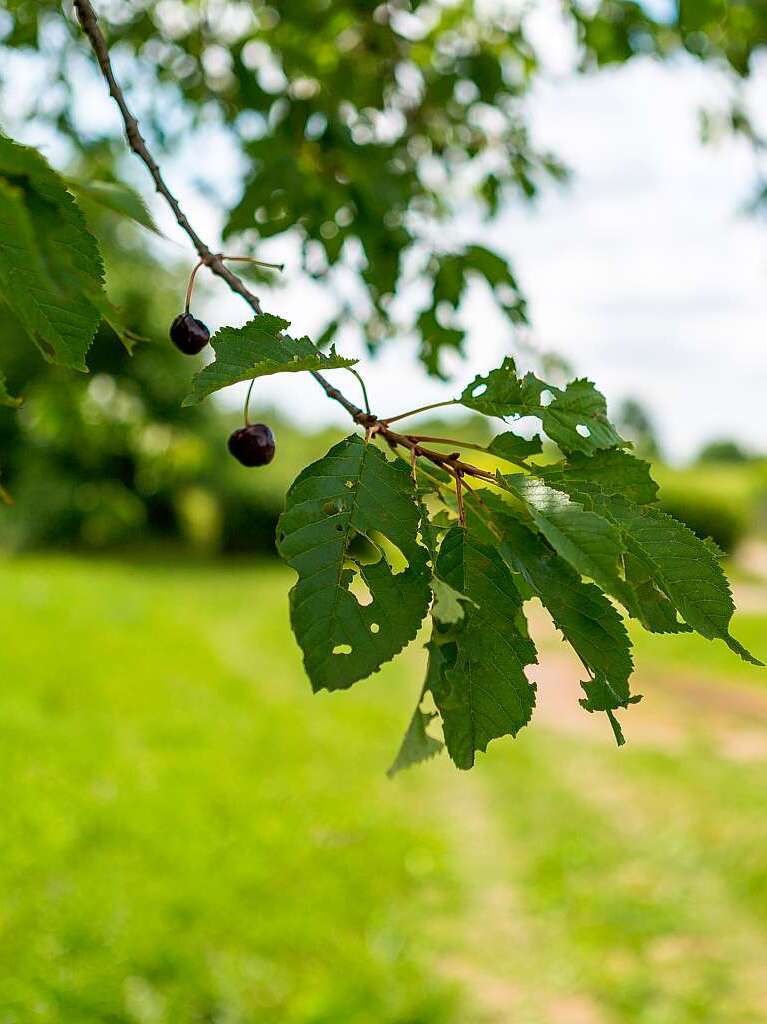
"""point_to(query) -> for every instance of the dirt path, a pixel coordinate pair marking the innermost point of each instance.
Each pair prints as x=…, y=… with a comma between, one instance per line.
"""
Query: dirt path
x=679, y=707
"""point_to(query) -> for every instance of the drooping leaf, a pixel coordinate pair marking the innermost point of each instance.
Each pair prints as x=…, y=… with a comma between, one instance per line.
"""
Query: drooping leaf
x=481, y=691
x=118, y=198
x=668, y=570
x=417, y=745
x=683, y=567
x=574, y=418
x=582, y=613
x=353, y=490
x=258, y=349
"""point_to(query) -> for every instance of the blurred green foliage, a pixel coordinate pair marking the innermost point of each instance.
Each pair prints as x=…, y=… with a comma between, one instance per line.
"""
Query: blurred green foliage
x=362, y=128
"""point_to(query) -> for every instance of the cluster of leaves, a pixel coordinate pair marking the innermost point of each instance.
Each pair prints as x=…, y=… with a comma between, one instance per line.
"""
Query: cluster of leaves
x=377, y=544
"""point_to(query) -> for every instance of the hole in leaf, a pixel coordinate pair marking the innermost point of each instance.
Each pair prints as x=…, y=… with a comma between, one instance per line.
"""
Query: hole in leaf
x=546, y=398
x=583, y=430
x=340, y=527
x=361, y=591
x=350, y=484
x=374, y=627
x=480, y=389
x=342, y=649
x=395, y=558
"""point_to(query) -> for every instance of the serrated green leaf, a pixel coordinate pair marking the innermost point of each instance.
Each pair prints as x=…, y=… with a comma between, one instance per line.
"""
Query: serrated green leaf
x=502, y=393
x=50, y=266
x=118, y=198
x=605, y=473
x=512, y=447
x=259, y=349
x=681, y=566
x=353, y=490
x=586, y=618
x=6, y=398
x=575, y=419
x=668, y=570
x=590, y=543
x=481, y=691
x=62, y=322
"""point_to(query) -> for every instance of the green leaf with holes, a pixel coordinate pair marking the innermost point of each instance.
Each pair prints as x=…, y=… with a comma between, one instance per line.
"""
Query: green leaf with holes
x=481, y=690
x=259, y=349
x=353, y=491
x=574, y=418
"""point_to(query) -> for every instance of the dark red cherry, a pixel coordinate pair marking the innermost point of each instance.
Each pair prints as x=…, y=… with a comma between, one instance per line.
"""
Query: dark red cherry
x=189, y=334
x=253, y=445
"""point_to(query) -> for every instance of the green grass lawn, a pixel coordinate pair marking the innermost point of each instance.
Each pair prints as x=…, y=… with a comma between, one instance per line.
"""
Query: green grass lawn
x=188, y=835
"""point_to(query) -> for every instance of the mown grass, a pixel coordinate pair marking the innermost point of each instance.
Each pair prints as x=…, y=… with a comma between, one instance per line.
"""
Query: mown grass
x=189, y=835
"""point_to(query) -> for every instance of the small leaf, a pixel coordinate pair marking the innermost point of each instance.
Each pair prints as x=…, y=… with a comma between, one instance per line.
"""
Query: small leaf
x=481, y=690
x=575, y=419
x=353, y=491
x=257, y=350
x=512, y=447
x=417, y=745
x=117, y=198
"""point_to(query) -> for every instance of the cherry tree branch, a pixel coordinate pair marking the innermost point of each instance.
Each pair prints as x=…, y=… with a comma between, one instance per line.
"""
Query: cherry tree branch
x=215, y=262
x=90, y=26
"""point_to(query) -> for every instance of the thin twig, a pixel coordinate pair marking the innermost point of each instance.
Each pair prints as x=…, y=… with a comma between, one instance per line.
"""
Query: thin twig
x=364, y=389
x=423, y=408
x=215, y=262
x=90, y=26
x=459, y=497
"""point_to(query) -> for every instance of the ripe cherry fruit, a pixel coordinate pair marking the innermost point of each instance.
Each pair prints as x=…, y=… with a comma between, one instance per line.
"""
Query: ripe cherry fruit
x=252, y=445
x=189, y=334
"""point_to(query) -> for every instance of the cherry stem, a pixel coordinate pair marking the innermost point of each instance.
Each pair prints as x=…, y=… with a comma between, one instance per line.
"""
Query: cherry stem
x=422, y=408
x=364, y=389
x=247, y=401
x=190, y=286
x=221, y=256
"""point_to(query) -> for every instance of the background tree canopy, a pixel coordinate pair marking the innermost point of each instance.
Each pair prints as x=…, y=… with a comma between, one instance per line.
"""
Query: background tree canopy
x=364, y=128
